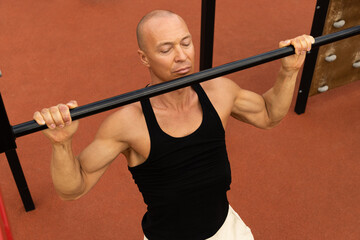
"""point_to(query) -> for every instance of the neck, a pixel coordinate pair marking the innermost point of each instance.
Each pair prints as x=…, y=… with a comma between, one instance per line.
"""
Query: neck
x=177, y=100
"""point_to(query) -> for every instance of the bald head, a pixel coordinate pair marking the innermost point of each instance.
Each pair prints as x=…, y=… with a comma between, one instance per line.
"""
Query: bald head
x=152, y=15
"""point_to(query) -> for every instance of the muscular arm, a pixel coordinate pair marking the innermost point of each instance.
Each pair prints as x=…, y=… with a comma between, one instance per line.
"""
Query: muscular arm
x=278, y=98
x=268, y=110
x=75, y=176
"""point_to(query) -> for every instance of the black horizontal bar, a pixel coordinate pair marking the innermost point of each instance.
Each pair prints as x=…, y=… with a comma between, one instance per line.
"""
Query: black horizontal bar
x=151, y=91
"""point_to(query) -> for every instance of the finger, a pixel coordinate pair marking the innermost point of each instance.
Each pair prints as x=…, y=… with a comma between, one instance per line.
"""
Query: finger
x=301, y=45
x=297, y=45
x=49, y=121
x=310, y=41
x=56, y=115
x=284, y=43
x=65, y=113
x=72, y=104
x=38, y=118
x=304, y=44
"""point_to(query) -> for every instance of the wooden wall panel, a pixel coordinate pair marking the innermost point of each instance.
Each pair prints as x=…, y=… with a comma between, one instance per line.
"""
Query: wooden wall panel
x=329, y=75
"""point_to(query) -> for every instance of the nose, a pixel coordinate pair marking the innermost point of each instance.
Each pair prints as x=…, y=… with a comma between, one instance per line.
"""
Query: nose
x=180, y=54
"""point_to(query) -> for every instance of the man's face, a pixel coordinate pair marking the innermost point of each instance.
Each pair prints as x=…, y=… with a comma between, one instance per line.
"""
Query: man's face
x=168, y=49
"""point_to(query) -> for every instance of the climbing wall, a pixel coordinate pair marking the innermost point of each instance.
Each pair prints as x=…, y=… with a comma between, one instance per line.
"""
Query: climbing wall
x=338, y=63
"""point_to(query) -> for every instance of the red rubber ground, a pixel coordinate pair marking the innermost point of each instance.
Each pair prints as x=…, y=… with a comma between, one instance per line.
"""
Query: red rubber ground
x=300, y=180
x=5, y=231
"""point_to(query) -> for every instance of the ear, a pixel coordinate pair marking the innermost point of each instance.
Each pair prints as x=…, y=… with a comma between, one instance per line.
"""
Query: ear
x=143, y=58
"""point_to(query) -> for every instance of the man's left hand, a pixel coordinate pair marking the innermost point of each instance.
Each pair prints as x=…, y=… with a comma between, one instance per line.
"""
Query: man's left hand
x=302, y=44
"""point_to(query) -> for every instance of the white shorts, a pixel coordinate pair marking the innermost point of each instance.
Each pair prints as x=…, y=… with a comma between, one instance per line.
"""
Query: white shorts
x=233, y=229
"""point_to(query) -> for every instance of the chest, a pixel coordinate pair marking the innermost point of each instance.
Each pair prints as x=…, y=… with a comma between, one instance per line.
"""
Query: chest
x=179, y=123
x=176, y=124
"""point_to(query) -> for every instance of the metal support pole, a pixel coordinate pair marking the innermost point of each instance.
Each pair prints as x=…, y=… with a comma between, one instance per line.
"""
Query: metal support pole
x=7, y=138
x=8, y=145
x=207, y=33
x=20, y=180
x=310, y=62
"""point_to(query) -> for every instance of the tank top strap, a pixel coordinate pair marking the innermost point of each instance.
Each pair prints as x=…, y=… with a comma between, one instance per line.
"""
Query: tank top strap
x=209, y=114
x=151, y=122
x=203, y=98
x=208, y=107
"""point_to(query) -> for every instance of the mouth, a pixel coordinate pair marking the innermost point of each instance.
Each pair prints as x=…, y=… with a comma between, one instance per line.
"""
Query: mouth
x=182, y=70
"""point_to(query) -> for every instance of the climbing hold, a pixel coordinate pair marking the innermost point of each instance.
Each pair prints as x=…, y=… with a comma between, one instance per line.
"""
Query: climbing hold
x=356, y=64
x=323, y=88
x=339, y=24
x=330, y=58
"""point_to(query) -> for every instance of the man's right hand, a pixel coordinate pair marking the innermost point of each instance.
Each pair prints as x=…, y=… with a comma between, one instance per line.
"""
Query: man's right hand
x=59, y=122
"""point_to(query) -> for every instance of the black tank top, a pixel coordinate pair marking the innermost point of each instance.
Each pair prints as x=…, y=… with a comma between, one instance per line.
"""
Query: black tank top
x=184, y=180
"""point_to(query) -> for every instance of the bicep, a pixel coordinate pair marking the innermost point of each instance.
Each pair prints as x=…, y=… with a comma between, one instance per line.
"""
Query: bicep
x=96, y=158
x=99, y=154
x=251, y=108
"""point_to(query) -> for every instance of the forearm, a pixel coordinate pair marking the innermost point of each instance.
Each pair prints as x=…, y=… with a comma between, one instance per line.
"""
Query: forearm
x=278, y=99
x=66, y=172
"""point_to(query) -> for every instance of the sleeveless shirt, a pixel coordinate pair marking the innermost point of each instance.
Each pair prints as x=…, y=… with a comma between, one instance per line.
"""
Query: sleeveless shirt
x=184, y=180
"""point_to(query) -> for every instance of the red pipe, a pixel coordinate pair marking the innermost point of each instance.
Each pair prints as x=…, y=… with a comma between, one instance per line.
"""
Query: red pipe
x=3, y=219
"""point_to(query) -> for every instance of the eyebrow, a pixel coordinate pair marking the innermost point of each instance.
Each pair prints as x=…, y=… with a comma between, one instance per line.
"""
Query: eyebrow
x=171, y=43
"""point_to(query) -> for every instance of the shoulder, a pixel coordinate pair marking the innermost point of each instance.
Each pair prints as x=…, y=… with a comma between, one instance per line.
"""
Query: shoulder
x=221, y=86
x=119, y=123
x=222, y=93
x=127, y=113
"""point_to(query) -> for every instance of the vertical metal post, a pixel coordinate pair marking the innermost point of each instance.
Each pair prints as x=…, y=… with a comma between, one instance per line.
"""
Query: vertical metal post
x=310, y=62
x=7, y=138
x=207, y=33
x=8, y=145
x=20, y=180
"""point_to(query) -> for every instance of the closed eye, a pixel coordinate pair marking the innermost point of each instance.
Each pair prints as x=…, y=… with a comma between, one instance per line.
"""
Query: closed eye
x=186, y=44
x=186, y=41
x=165, y=47
x=165, y=50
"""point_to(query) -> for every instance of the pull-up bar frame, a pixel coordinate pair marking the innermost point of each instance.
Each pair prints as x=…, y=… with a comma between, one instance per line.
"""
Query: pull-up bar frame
x=10, y=133
x=151, y=91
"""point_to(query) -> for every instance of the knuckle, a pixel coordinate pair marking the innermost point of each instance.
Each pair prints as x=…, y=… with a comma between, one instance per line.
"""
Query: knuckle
x=53, y=109
x=37, y=117
x=44, y=111
x=73, y=103
x=66, y=119
x=63, y=108
x=303, y=44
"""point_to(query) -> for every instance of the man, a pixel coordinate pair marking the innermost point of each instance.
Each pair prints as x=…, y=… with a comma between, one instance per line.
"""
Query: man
x=174, y=143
